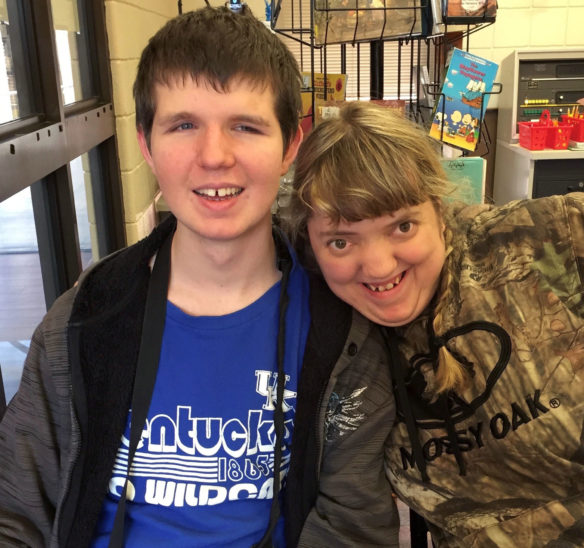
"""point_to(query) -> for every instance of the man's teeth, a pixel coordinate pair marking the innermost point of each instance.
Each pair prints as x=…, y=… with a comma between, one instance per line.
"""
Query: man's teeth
x=386, y=287
x=219, y=192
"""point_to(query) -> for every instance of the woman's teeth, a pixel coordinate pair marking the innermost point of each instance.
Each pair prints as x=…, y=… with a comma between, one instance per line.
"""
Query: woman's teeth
x=385, y=287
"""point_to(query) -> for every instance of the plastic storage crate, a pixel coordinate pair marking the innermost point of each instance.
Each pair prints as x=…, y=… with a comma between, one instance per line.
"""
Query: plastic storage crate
x=577, y=127
x=558, y=136
x=533, y=135
x=545, y=133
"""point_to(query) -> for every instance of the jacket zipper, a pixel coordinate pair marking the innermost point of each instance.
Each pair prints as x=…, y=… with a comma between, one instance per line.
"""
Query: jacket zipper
x=319, y=427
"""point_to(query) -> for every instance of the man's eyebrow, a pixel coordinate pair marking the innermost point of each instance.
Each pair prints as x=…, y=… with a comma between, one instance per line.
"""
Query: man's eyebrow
x=175, y=117
x=251, y=119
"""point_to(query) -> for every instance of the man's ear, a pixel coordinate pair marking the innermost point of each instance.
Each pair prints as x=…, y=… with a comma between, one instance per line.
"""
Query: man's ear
x=292, y=150
x=145, y=148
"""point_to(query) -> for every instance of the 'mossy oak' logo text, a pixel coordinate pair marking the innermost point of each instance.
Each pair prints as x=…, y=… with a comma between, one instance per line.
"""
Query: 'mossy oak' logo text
x=498, y=427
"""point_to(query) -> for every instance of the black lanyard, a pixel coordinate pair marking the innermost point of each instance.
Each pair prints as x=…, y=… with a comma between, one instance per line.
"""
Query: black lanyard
x=148, y=358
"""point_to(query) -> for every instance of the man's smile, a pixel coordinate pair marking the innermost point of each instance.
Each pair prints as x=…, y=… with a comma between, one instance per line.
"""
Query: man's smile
x=219, y=193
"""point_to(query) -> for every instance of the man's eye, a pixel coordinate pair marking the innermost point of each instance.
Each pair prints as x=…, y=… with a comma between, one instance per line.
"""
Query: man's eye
x=247, y=129
x=338, y=244
x=184, y=126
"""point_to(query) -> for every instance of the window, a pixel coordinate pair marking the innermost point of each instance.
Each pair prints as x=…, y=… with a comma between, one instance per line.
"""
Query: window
x=60, y=196
x=16, y=100
x=73, y=53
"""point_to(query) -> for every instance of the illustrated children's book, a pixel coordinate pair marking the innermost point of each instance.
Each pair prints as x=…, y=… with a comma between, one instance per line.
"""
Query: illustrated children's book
x=459, y=109
x=468, y=174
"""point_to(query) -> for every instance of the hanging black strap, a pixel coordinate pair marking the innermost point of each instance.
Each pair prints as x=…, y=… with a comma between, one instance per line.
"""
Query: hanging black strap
x=397, y=371
x=148, y=358
x=266, y=540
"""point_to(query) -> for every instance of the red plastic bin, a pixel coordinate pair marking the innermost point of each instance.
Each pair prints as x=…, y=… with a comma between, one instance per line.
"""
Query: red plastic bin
x=577, y=127
x=544, y=133
x=558, y=136
x=532, y=135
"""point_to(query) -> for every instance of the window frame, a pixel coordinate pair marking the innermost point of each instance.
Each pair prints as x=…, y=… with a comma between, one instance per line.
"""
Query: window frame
x=35, y=150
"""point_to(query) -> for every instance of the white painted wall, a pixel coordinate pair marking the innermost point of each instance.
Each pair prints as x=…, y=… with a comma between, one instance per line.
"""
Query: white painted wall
x=530, y=24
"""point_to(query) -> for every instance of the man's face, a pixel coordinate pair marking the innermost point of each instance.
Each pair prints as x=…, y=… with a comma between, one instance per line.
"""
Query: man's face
x=218, y=157
x=388, y=267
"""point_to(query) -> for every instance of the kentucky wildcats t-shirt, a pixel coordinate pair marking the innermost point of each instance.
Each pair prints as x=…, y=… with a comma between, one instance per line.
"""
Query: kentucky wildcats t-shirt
x=203, y=471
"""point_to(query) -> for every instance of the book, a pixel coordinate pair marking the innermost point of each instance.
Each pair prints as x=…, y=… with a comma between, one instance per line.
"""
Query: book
x=468, y=173
x=461, y=106
x=336, y=89
x=432, y=23
x=469, y=11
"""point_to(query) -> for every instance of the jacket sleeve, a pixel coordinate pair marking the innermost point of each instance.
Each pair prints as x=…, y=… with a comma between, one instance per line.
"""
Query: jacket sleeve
x=354, y=504
x=35, y=438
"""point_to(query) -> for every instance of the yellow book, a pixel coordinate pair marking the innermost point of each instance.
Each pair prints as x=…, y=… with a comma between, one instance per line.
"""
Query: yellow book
x=336, y=89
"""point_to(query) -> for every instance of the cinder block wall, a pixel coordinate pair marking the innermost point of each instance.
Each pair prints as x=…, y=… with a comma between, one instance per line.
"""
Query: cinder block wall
x=530, y=24
x=129, y=25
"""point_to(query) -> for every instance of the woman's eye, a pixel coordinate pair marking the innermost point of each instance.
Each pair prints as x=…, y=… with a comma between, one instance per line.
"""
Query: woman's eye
x=338, y=244
x=405, y=227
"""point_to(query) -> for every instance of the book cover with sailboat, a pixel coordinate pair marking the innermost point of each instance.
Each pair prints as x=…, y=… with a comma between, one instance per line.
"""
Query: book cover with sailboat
x=462, y=104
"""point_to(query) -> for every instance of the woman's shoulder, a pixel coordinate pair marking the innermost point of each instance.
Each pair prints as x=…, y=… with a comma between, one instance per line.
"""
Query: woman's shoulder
x=543, y=218
x=461, y=211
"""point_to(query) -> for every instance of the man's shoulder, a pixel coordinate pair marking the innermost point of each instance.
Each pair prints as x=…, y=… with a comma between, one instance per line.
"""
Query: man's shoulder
x=112, y=278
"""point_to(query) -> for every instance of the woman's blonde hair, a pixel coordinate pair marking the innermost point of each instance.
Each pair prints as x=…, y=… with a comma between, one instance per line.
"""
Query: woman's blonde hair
x=368, y=162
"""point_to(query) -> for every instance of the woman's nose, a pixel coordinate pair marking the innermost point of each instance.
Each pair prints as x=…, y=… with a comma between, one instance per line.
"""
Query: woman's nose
x=379, y=261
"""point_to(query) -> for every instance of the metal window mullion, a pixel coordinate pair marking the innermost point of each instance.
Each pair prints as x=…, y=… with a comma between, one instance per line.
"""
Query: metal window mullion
x=48, y=63
x=57, y=236
x=107, y=198
x=19, y=16
x=376, y=69
x=97, y=35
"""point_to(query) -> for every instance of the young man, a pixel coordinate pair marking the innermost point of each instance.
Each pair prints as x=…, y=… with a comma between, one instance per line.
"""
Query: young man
x=178, y=358
x=187, y=376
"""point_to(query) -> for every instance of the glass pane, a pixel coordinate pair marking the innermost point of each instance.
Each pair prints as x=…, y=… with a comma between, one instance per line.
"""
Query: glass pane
x=22, y=301
x=15, y=96
x=72, y=49
x=82, y=193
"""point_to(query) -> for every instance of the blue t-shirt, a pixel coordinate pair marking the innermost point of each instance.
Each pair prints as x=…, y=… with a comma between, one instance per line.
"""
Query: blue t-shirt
x=203, y=471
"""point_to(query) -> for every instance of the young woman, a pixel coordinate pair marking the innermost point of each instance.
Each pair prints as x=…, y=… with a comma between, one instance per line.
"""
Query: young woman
x=483, y=315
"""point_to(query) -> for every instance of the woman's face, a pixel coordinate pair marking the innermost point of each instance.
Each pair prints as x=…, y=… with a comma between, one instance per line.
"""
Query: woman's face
x=387, y=268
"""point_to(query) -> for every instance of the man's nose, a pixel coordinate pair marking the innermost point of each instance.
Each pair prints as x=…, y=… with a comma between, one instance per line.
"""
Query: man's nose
x=215, y=148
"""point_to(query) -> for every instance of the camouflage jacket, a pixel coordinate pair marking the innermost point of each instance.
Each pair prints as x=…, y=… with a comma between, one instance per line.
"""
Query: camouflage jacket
x=503, y=459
